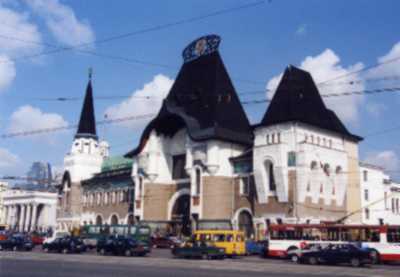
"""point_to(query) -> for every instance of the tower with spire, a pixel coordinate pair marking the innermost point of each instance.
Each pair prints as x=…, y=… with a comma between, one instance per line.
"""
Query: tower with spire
x=82, y=162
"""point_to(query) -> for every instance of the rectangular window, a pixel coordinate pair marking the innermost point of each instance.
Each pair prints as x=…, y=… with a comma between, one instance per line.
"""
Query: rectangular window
x=365, y=175
x=367, y=213
x=385, y=197
x=393, y=205
x=366, y=196
x=178, y=167
x=291, y=158
x=397, y=205
x=245, y=185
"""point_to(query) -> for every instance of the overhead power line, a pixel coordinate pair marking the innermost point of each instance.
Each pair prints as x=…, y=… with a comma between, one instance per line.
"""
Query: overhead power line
x=139, y=32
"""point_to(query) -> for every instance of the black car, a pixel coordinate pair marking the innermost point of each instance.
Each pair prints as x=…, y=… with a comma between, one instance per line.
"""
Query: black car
x=199, y=249
x=120, y=245
x=16, y=243
x=65, y=245
x=336, y=254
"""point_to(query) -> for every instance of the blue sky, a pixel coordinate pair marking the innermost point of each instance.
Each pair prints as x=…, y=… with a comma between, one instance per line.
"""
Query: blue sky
x=327, y=38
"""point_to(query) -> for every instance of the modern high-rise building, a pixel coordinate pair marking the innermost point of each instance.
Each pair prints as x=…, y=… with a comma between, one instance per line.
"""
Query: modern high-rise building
x=40, y=173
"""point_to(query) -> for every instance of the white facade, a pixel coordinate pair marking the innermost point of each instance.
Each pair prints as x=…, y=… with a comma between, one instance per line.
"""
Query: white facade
x=155, y=163
x=3, y=189
x=320, y=162
x=27, y=210
x=379, y=196
x=85, y=158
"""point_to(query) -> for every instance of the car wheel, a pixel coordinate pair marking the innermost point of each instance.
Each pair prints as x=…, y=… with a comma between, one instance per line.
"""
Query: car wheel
x=65, y=251
x=1, y=247
x=46, y=249
x=15, y=248
x=355, y=262
x=154, y=246
x=295, y=259
x=312, y=261
x=205, y=256
x=128, y=253
x=102, y=252
x=375, y=258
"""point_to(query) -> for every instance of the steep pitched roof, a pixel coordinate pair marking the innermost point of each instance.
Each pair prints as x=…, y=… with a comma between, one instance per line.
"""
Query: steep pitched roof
x=87, y=122
x=297, y=99
x=202, y=99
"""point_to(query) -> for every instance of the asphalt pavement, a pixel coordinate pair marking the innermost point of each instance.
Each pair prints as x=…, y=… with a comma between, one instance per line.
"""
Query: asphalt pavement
x=161, y=263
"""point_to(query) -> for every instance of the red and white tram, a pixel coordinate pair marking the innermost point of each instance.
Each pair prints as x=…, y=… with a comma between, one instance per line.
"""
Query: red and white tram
x=384, y=240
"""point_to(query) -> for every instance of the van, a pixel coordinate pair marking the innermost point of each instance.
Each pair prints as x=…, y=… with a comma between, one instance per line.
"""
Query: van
x=230, y=240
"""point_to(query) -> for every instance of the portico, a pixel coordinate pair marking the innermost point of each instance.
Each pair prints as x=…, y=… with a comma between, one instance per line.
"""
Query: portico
x=30, y=210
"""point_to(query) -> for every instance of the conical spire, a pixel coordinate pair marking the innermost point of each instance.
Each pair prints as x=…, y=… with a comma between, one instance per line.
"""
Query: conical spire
x=87, y=122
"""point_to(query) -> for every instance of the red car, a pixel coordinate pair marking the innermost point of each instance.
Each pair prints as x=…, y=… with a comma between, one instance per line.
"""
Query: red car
x=162, y=242
x=37, y=239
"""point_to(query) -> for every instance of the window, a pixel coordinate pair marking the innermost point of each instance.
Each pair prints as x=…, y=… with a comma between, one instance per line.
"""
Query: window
x=273, y=138
x=178, y=167
x=292, y=158
x=365, y=175
x=393, y=205
x=267, y=139
x=245, y=185
x=366, y=213
x=279, y=137
x=140, y=187
x=269, y=168
x=330, y=143
x=385, y=197
x=397, y=205
x=197, y=180
x=324, y=142
x=312, y=139
x=366, y=196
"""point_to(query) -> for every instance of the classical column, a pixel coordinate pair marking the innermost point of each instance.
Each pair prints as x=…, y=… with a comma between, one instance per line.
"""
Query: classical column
x=13, y=216
x=22, y=218
x=28, y=218
x=34, y=214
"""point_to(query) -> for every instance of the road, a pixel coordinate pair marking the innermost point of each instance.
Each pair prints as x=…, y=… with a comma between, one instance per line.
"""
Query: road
x=160, y=263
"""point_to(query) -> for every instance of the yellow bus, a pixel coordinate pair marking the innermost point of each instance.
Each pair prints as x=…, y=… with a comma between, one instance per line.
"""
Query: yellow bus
x=232, y=241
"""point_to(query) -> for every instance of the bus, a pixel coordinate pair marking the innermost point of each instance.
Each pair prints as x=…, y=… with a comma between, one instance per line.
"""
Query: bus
x=232, y=241
x=383, y=240
x=92, y=233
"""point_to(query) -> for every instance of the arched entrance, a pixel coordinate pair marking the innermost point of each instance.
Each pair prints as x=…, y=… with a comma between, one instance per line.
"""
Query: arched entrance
x=245, y=223
x=114, y=220
x=180, y=216
x=99, y=220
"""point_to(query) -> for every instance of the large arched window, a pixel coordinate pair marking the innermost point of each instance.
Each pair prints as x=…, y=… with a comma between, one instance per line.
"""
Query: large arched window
x=140, y=186
x=269, y=170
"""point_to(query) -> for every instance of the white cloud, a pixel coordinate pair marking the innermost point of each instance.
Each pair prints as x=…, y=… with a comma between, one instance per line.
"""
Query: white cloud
x=7, y=72
x=386, y=159
x=17, y=25
x=389, y=69
x=62, y=22
x=301, y=30
x=28, y=118
x=137, y=104
x=7, y=159
x=326, y=66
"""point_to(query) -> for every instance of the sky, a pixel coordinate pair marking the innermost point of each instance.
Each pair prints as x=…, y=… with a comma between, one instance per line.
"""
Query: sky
x=329, y=39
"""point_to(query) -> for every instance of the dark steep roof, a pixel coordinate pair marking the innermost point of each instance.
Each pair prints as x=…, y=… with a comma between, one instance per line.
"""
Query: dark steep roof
x=297, y=99
x=87, y=122
x=202, y=99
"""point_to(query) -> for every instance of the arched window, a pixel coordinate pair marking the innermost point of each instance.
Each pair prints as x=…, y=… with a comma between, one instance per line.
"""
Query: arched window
x=197, y=181
x=269, y=170
x=273, y=138
x=327, y=169
x=279, y=137
x=267, y=139
x=312, y=139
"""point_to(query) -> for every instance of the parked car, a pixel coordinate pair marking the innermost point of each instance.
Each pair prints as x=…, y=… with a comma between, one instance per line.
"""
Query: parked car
x=163, y=242
x=334, y=254
x=16, y=243
x=198, y=249
x=37, y=238
x=120, y=245
x=65, y=245
x=256, y=247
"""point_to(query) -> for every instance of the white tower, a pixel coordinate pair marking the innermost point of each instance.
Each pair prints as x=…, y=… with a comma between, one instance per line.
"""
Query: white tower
x=82, y=162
